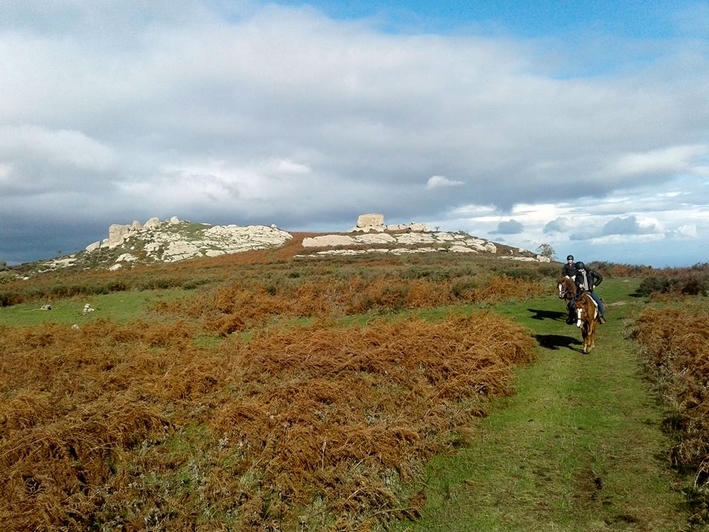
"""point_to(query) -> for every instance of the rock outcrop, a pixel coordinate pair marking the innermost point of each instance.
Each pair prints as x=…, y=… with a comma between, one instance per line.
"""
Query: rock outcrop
x=174, y=240
x=375, y=223
x=372, y=235
x=402, y=242
x=399, y=243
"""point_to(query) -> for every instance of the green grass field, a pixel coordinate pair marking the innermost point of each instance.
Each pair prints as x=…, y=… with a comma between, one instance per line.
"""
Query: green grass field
x=121, y=307
x=578, y=448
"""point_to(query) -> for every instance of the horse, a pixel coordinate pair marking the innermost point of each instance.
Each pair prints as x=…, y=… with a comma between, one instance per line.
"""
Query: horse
x=587, y=317
x=567, y=290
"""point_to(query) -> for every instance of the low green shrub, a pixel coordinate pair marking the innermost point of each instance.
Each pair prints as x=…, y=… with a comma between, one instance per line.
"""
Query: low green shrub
x=689, y=283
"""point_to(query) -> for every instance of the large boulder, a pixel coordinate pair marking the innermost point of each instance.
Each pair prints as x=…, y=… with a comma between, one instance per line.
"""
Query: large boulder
x=117, y=234
x=370, y=222
x=152, y=223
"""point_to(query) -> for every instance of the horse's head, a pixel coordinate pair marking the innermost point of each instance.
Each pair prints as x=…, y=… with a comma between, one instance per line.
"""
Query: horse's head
x=586, y=310
x=566, y=288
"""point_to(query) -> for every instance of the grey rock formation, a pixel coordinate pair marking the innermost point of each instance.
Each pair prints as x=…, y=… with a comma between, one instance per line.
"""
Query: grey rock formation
x=174, y=240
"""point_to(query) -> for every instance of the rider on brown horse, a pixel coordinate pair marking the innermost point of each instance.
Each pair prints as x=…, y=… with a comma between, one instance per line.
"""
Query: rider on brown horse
x=587, y=281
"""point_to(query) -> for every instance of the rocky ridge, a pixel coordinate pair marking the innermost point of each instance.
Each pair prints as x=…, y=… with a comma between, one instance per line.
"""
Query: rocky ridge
x=372, y=235
x=158, y=241
x=170, y=240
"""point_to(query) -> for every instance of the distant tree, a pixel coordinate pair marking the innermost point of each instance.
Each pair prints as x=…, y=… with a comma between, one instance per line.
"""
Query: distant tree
x=545, y=250
x=3, y=265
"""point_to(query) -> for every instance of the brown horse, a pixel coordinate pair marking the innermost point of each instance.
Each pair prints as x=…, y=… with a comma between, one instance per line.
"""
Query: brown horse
x=587, y=317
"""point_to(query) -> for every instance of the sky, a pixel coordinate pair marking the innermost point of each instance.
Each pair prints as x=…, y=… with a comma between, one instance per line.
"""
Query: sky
x=576, y=124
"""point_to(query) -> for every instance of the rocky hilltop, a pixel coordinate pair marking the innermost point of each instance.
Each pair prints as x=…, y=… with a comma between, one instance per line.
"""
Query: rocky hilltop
x=160, y=241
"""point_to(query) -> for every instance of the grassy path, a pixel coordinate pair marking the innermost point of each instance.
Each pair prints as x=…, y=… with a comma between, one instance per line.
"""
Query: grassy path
x=578, y=447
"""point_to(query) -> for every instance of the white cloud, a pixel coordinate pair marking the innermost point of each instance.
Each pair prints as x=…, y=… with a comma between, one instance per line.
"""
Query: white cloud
x=560, y=225
x=68, y=148
x=5, y=174
x=684, y=231
x=629, y=226
x=672, y=159
x=287, y=116
x=287, y=166
x=37, y=160
x=437, y=181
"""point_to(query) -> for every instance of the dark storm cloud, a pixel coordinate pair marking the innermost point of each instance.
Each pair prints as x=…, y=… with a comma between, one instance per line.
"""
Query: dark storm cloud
x=511, y=227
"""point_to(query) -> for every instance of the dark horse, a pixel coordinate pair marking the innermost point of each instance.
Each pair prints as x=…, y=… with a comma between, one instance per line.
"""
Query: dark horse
x=585, y=310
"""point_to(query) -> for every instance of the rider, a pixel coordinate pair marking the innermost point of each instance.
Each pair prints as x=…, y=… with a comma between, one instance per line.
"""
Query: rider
x=587, y=281
x=569, y=270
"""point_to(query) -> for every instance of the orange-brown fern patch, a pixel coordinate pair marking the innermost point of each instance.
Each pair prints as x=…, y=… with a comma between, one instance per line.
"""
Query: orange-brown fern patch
x=135, y=427
x=676, y=344
x=234, y=307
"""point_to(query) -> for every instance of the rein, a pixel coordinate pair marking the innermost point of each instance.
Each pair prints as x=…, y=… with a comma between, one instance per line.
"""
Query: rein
x=566, y=289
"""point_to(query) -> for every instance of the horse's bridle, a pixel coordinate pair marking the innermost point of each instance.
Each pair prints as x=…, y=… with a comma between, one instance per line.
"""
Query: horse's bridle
x=566, y=290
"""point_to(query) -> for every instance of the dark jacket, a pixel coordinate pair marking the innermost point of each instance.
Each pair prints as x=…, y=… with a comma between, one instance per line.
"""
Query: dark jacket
x=588, y=279
x=569, y=270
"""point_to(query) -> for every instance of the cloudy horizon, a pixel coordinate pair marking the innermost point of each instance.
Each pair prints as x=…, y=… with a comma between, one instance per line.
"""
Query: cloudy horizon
x=585, y=128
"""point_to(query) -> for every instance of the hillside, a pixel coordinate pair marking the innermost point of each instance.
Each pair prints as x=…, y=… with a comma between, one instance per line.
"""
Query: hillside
x=174, y=240
x=285, y=389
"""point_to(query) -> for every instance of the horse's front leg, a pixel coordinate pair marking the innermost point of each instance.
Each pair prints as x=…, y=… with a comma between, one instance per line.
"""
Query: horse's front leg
x=592, y=335
x=584, y=335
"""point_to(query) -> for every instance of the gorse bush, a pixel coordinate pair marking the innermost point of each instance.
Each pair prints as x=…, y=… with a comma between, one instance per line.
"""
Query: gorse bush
x=686, y=282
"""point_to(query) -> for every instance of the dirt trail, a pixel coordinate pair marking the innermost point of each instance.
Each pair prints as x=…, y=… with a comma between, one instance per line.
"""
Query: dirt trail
x=578, y=448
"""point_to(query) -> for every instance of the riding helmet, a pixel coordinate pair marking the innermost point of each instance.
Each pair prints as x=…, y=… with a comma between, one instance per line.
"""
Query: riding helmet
x=570, y=257
x=580, y=266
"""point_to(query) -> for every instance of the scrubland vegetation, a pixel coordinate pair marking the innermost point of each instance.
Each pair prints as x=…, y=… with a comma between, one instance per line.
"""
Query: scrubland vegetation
x=267, y=392
x=675, y=344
